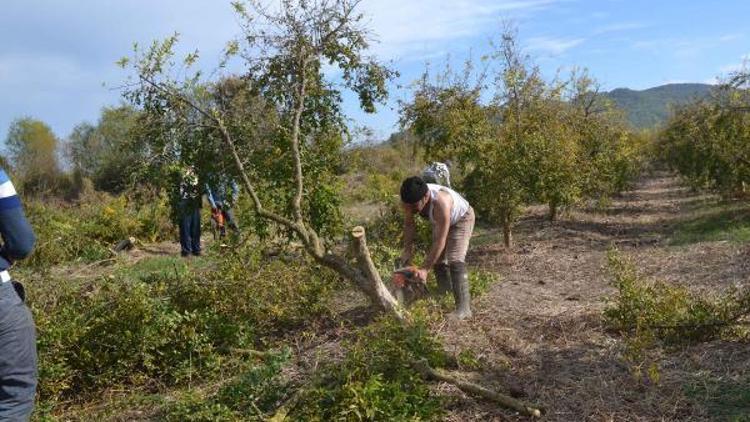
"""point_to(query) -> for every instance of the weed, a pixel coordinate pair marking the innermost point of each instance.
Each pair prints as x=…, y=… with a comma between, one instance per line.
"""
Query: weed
x=480, y=281
x=652, y=313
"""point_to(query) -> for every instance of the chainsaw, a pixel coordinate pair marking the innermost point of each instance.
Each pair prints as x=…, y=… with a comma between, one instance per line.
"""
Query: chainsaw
x=405, y=282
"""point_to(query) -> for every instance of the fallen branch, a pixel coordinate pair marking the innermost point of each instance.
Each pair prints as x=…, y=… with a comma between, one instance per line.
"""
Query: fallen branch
x=283, y=411
x=254, y=353
x=469, y=387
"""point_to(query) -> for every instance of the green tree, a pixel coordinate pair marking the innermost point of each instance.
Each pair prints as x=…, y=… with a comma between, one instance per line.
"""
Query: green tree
x=32, y=148
x=107, y=153
x=708, y=141
x=447, y=117
x=610, y=154
x=534, y=142
x=280, y=150
x=81, y=149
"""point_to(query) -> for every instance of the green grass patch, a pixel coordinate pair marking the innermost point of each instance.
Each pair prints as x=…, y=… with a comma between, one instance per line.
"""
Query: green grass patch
x=154, y=268
x=719, y=223
x=723, y=399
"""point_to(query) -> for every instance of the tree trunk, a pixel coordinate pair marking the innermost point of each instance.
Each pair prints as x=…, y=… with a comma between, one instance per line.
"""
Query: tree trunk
x=507, y=236
x=373, y=284
x=552, y=211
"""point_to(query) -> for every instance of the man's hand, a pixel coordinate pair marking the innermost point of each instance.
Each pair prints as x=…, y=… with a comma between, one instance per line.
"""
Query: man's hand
x=421, y=275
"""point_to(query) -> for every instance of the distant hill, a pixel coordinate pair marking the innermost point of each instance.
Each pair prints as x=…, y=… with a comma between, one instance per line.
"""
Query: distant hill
x=651, y=107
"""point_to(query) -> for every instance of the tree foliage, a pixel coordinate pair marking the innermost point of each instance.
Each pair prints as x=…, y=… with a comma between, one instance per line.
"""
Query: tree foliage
x=279, y=125
x=32, y=149
x=534, y=142
x=108, y=152
x=708, y=141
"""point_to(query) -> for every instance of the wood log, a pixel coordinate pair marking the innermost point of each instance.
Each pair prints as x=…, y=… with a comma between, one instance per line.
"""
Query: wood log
x=475, y=389
x=125, y=244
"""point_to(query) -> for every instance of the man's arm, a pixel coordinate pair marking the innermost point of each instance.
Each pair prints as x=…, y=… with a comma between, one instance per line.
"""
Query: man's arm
x=210, y=196
x=410, y=231
x=18, y=236
x=441, y=215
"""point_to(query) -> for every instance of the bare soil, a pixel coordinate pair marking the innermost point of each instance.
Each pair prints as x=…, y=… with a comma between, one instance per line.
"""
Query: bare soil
x=539, y=333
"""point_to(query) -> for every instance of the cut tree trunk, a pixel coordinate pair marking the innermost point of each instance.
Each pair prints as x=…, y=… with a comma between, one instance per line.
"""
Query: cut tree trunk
x=370, y=278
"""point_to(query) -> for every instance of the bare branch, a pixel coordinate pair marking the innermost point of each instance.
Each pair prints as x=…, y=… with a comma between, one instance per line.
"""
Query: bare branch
x=299, y=108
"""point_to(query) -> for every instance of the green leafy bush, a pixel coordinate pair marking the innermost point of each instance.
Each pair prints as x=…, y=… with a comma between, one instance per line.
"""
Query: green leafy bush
x=708, y=141
x=376, y=380
x=86, y=231
x=653, y=313
x=168, y=325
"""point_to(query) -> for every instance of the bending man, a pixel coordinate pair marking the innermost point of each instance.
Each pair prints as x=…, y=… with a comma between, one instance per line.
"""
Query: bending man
x=452, y=220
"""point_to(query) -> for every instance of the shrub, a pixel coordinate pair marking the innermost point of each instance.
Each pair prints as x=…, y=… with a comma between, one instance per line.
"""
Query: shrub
x=652, y=313
x=376, y=380
x=707, y=141
x=86, y=231
x=166, y=325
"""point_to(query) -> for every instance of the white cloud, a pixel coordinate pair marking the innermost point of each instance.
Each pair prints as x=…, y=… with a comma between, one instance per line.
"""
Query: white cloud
x=406, y=28
x=619, y=27
x=553, y=46
x=712, y=81
x=730, y=37
x=743, y=64
x=680, y=48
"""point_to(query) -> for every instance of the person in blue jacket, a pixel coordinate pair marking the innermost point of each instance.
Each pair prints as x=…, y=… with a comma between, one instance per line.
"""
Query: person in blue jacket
x=223, y=196
x=18, y=361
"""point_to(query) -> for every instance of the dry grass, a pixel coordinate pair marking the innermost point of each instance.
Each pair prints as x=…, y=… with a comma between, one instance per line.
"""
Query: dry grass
x=539, y=334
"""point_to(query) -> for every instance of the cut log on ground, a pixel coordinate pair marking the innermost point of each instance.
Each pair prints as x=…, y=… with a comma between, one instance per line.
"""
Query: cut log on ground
x=125, y=244
x=475, y=389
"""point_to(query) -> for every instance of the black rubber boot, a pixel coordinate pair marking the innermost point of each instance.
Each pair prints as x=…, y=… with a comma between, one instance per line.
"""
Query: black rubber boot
x=460, y=290
x=443, y=276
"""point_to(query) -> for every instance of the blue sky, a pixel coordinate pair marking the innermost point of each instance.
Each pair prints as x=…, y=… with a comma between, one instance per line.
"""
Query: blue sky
x=57, y=57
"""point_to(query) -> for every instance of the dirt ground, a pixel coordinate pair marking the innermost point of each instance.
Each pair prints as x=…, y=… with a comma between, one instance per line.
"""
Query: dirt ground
x=539, y=332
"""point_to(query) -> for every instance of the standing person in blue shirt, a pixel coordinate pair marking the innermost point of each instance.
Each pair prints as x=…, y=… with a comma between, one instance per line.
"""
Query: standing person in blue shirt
x=222, y=198
x=189, y=214
x=18, y=369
